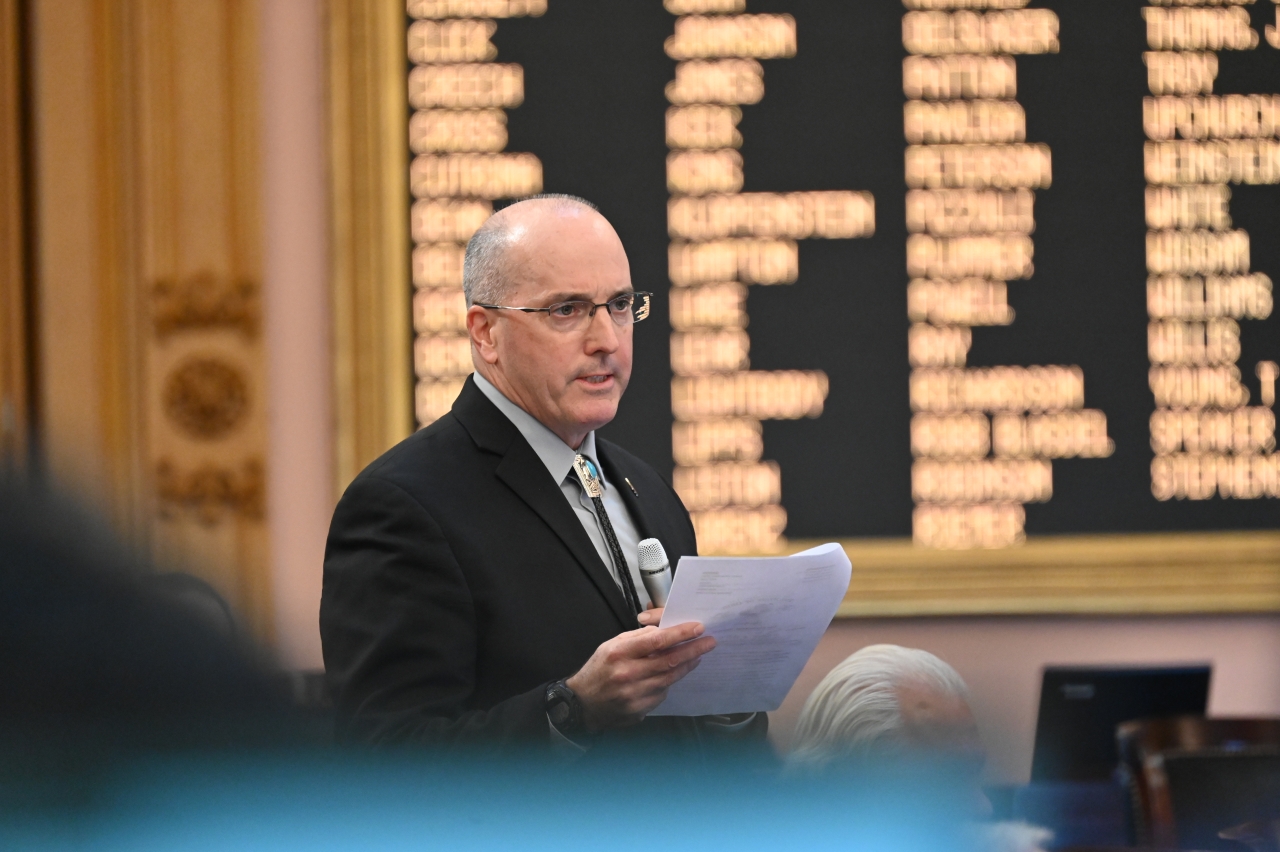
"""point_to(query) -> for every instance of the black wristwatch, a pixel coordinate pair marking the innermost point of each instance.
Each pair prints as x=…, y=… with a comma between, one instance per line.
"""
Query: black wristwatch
x=564, y=710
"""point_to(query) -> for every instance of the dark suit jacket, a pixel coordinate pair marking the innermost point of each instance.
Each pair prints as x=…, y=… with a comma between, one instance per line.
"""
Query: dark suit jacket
x=458, y=583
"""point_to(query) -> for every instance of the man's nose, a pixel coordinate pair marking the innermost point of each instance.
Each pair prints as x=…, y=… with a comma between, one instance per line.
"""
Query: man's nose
x=602, y=332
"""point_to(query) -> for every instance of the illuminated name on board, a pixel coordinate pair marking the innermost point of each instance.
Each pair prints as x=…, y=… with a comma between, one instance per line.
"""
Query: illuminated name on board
x=982, y=438
x=458, y=133
x=1201, y=289
x=723, y=240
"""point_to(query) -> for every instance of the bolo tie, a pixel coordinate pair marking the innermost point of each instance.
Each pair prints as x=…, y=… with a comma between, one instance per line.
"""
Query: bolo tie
x=591, y=483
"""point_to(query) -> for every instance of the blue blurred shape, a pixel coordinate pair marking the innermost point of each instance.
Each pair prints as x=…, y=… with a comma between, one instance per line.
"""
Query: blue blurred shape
x=1080, y=813
x=337, y=801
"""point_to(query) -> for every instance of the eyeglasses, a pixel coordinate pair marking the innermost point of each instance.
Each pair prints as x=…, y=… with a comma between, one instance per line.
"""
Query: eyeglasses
x=626, y=309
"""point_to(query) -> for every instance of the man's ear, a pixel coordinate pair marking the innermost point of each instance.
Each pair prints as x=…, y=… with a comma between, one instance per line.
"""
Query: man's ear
x=480, y=327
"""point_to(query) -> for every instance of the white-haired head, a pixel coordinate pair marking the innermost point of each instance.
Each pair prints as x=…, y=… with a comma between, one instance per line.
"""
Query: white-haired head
x=880, y=701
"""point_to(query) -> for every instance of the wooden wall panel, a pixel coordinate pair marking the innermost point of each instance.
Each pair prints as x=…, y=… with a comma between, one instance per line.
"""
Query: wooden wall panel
x=204, y=388
x=150, y=255
x=71, y=205
x=14, y=354
x=373, y=384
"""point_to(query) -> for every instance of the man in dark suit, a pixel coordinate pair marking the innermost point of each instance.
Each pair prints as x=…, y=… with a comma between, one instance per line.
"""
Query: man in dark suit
x=481, y=580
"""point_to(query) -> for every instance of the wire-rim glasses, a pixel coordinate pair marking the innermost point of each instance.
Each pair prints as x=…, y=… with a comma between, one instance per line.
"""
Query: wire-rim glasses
x=624, y=309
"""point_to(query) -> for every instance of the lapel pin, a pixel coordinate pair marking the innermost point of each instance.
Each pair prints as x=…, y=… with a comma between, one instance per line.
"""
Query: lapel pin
x=632, y=487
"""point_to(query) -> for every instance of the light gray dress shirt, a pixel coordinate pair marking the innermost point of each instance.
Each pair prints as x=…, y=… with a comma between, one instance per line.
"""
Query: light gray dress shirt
x=558, y=457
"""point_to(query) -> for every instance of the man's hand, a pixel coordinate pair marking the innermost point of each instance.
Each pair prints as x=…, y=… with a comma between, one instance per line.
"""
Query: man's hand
x=629, y=675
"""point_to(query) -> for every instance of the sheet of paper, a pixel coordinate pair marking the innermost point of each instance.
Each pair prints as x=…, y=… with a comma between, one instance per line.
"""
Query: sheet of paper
x=766, y=614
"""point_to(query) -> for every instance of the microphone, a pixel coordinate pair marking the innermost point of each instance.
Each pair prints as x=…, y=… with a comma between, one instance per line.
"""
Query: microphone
x=655, y=570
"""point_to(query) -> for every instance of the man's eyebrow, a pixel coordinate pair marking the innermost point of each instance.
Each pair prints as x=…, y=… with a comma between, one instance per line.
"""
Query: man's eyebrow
x=555, y=298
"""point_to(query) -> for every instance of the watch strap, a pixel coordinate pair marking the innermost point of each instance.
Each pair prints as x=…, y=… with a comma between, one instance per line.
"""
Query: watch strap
x=564, y=710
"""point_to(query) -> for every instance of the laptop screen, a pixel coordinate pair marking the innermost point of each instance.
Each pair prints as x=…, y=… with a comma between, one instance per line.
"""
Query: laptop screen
x=1081, y=706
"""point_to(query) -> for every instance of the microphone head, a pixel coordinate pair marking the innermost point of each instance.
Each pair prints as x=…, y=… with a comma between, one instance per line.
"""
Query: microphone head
x=653, y=558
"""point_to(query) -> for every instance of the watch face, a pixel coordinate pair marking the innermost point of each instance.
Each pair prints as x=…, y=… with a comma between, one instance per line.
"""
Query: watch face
x=559, y=711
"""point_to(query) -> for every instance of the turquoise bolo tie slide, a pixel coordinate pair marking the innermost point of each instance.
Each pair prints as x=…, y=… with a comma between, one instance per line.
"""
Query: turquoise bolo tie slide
x=587, y=475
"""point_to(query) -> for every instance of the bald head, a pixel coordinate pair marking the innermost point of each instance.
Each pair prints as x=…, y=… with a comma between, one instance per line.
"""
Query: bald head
x=502, y=243
x=536, y=254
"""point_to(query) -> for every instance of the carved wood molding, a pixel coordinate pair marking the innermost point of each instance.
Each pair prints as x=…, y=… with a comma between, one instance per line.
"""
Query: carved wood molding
x=373, y=385
x=206, y=398
x=203, y=301
x=212, y=491
x=1068, y=575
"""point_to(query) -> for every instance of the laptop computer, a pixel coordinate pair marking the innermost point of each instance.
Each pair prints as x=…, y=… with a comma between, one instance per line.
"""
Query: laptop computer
x=1081, y=706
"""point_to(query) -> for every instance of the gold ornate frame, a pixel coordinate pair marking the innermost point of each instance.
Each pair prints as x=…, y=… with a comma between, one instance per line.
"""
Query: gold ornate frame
x=369, y=197
x=1082, y=575
x=1148, y=574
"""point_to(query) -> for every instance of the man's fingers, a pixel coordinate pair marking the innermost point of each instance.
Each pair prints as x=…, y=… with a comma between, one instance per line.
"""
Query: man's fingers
x=657, y=687
x=679, y=672
x=673, y=657
x=651, y=616
x=649, y=639
x=662, y=638
x=659, y=665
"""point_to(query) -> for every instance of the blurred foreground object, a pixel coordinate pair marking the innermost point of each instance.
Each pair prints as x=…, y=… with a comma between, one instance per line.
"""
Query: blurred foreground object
x=101, y=658
x=408, y=800
x=132, y=718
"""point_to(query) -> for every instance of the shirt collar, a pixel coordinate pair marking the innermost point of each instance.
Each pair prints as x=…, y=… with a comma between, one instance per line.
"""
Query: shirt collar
x=554, y=452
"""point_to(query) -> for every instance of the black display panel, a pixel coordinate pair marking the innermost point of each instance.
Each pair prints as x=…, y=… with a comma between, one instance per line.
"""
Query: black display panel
x=1094, y=292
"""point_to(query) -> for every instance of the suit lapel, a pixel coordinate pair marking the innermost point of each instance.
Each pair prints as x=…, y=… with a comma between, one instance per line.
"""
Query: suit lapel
x=617, y=478
x=647, y=514
x=525, y=474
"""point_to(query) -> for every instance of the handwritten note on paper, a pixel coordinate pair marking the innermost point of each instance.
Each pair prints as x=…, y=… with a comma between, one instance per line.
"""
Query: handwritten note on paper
x=766, y=614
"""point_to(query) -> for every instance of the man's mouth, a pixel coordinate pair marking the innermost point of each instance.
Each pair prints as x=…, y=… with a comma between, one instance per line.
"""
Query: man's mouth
x=597, y=378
